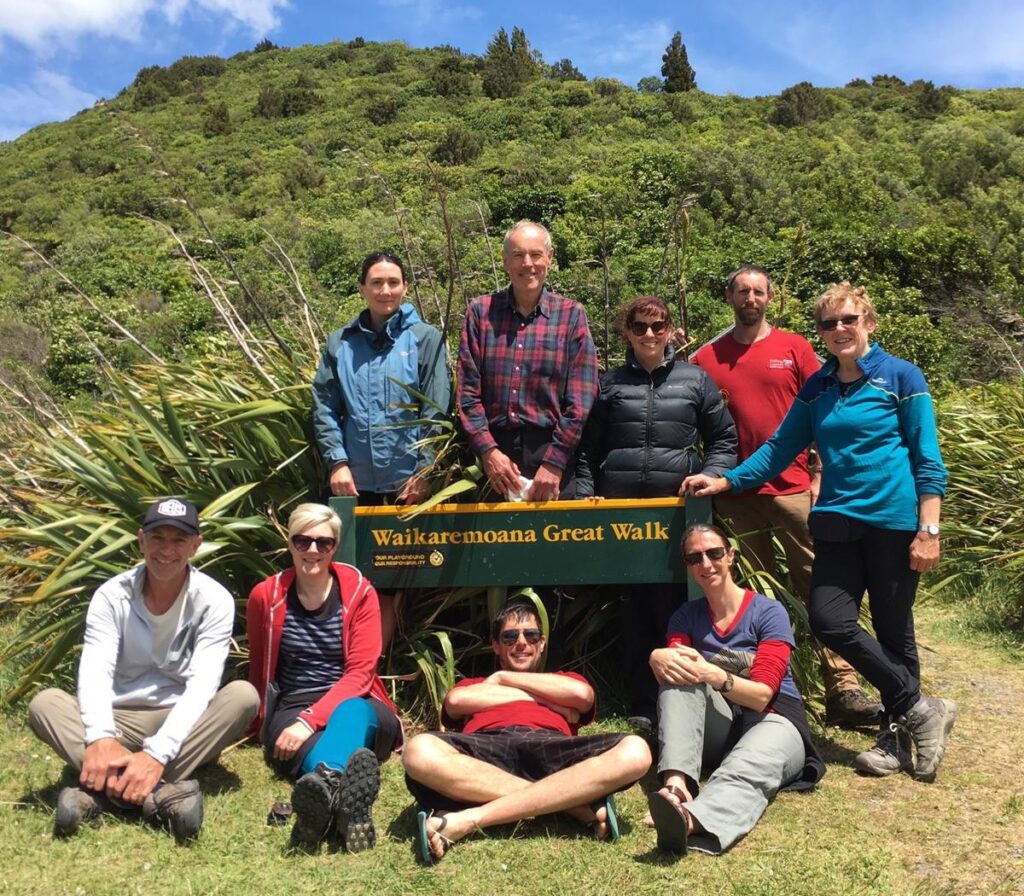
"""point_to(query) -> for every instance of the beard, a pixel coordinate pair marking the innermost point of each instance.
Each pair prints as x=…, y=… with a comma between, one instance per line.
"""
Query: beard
x=749, y=316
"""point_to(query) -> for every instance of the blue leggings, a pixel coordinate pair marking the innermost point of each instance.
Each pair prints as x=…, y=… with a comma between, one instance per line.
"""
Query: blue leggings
x=352, y=725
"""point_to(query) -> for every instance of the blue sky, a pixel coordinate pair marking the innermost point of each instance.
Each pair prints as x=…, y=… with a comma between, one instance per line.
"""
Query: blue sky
x=59, y=56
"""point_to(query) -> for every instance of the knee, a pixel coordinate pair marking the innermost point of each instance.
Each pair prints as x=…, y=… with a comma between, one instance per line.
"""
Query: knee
x=355, y=712
x=42, y=707
x=420, y=755
x=827, y=625
x=243, y=698
x=633, y=755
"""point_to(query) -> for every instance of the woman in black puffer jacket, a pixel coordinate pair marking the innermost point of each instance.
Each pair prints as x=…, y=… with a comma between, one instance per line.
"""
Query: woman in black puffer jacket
x=656, y=421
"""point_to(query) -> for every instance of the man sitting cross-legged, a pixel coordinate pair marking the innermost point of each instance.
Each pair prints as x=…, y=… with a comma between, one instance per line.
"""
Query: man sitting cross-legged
x=518, y=754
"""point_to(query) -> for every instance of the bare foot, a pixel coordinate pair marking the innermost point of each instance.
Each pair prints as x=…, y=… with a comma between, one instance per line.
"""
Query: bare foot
x=443, y=831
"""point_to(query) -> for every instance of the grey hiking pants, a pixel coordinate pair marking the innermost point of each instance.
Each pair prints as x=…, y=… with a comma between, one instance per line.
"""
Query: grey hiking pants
x=694, y=725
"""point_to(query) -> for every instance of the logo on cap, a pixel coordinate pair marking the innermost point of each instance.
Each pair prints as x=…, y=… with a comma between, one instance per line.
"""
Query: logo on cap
x=172, y=507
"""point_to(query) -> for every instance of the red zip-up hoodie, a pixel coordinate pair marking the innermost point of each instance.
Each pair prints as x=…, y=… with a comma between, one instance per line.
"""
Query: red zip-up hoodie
x=360, y=641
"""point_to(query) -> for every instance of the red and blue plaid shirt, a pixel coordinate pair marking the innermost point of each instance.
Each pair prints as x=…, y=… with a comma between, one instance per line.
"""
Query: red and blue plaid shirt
x=517, y=371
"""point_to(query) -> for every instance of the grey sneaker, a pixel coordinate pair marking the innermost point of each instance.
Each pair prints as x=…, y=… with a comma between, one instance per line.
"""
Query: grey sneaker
x=889, y=755
x=314, y=803
x=179, y=805
x=852, y=709
x=359, y=788
x=75, y=805
x=928, y=723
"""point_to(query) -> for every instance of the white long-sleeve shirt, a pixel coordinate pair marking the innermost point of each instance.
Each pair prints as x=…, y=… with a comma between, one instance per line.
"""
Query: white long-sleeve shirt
x=119, y=667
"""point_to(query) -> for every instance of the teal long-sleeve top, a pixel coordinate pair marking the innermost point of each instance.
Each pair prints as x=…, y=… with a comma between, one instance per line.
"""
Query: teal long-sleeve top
x=878, y=444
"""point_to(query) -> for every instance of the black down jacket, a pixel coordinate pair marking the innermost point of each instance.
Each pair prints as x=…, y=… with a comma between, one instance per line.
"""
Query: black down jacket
x=647, y=431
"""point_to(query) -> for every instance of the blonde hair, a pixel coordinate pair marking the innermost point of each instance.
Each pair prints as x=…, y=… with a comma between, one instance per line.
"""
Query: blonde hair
x=307, y=515
x=842, y=292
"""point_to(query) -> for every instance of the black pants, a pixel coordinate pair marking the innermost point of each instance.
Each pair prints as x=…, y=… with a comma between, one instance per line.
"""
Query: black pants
x=644, y=613
x=526, y=447
x=878, y=561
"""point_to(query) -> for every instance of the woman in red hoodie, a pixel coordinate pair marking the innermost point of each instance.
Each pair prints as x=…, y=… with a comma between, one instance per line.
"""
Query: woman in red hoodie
x=325, y=719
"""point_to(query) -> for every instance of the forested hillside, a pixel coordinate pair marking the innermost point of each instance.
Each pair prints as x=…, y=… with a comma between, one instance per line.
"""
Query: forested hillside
x=335, y=150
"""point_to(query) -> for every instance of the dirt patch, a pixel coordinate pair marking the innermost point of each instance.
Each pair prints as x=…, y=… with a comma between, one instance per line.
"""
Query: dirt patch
x=965, y=833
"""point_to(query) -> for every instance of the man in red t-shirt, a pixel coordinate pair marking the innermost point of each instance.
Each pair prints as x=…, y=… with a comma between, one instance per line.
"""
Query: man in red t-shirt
x=518, y=754
x=759, y=371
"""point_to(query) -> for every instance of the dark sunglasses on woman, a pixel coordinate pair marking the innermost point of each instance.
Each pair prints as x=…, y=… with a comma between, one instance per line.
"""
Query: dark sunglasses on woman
x=713, y=554
x=322, y=545
x=640, y=327
x=829, y=324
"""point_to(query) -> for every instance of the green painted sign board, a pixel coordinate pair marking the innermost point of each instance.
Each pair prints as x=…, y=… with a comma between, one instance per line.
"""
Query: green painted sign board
x=504, y=544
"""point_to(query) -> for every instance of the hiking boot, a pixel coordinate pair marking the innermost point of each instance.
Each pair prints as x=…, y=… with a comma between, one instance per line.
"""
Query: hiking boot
x=75, y=805
x=852, y=709
x=889, y=755
x=359, y=787
x=179, y=805
x=314, y=804
x=928, y=723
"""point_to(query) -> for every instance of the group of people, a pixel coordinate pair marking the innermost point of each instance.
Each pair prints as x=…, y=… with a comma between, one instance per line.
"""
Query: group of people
x=712, y=675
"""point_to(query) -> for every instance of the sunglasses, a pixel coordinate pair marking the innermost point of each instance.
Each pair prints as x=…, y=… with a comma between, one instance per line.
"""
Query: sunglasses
x=713, y=554
x=511, y=635
x=829, y=324
x=322, y=545
x=640, y=327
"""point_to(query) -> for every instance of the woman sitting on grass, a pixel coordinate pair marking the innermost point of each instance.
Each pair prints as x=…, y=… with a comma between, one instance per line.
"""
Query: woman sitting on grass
x=325, y=719
x=727, y=703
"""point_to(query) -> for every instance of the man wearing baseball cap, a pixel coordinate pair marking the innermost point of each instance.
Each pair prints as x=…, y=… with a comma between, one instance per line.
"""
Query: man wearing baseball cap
x=149, y=709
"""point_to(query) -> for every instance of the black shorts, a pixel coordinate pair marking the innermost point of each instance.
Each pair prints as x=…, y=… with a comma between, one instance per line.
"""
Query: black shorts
x=527, y=753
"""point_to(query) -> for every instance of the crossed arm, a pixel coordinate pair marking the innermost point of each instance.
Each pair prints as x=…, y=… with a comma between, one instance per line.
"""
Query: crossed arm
x=568, y=696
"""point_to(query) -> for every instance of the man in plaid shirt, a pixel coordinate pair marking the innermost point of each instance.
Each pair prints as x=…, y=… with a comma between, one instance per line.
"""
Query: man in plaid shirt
x=527, y=374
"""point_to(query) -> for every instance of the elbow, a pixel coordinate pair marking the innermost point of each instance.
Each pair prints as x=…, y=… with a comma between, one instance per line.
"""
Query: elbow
x=582, y=698
x=454, y=706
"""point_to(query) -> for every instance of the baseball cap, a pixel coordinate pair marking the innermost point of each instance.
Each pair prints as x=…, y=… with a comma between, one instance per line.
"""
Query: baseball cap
x=172, y=512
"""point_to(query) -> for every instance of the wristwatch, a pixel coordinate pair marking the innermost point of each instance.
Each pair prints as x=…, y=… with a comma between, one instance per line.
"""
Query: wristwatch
x=930, y=528
x=727, y=684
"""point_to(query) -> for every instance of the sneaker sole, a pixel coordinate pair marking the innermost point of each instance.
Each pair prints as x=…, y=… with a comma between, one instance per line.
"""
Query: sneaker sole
x=356, y=796
x=951, y=710
x=311, y=804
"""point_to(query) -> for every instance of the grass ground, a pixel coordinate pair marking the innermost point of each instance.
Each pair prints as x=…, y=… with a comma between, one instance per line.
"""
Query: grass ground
x=962, y=835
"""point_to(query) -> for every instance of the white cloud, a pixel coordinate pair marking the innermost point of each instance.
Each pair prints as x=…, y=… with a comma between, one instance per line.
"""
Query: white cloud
x=40, y=23
x=603, y=48
x=965, y=42
x=47, y=96
x=436, y=16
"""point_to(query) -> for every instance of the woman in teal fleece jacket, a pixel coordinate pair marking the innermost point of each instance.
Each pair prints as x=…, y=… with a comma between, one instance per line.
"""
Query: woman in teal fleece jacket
x=875, y=523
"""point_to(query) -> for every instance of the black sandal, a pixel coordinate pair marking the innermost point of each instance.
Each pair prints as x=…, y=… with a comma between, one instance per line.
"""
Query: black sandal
x=670, y=819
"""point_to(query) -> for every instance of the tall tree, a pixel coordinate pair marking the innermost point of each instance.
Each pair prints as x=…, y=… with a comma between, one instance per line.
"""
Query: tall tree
x=522, y=56
x=508, y=64
x=676, y=69
x=499, y=69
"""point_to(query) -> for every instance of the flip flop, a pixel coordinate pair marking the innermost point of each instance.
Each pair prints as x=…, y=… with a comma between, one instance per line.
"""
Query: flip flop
x=423, y=836
x=610, y=818
x=669, y=822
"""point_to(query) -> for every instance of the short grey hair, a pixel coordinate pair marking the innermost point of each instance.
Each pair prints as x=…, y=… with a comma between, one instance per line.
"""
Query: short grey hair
x=522, y=225
x=305, y=516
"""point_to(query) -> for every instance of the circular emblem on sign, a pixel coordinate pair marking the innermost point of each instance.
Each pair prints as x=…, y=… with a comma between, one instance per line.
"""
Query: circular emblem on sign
x=436, y=558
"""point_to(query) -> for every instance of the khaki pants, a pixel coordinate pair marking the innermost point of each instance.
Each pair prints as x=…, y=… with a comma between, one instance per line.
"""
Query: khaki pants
x=753, y=519
x=55, y=718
